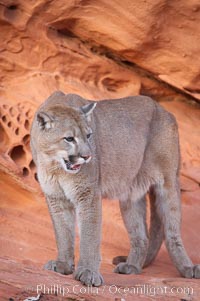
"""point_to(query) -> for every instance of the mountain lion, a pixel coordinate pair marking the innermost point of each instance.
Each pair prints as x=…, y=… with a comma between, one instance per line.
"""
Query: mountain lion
x=118, y=149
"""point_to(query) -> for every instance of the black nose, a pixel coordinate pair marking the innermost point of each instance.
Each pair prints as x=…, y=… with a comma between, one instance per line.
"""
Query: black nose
x=86, y=157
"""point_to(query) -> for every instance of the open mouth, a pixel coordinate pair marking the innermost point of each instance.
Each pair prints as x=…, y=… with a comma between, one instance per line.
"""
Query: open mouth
x=71, y=166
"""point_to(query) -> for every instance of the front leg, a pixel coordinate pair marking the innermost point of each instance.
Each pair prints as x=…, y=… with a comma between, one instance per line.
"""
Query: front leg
x=89, y=214
x=63, y=217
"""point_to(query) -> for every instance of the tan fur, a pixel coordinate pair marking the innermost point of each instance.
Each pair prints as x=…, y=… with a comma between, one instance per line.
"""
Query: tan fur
x=133, y=148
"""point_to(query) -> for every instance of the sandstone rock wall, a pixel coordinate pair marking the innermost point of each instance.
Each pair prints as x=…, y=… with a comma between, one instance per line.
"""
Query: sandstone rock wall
x=99, y=43
x=99, y=49
x=15, y=154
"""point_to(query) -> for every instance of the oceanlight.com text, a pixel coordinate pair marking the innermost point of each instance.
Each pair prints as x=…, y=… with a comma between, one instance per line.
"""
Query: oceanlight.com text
x=145, y=289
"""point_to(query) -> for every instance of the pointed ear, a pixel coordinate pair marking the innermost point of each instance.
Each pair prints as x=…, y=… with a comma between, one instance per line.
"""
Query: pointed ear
x=88, y=109
x=44, y=120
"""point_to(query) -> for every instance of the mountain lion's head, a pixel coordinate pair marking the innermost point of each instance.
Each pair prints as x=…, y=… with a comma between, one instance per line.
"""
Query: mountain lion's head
x=64, y=135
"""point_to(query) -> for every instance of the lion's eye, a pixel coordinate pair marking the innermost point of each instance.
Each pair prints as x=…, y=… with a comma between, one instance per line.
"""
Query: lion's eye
x=89, y=135
x=69, y=139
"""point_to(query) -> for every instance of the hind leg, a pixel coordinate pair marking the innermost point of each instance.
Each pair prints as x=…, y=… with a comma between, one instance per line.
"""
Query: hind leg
x=134, y=217
x=168, y=201
x=156, y=234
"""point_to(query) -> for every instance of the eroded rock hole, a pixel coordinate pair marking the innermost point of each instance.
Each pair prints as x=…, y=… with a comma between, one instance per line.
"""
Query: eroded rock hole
x=10, y=11
x=19, y=118
x=112, y=84
x=32, y=165
x=17, y=131
x=25, y=172
x=66, y=32
x=26, y=139
x=26, y=124
x=9, y=124
x=18, y=154
x=4, y=139
x=4, y=118
x=12, y=7
x=36, y=177
x=29, y=114
x=12, y=111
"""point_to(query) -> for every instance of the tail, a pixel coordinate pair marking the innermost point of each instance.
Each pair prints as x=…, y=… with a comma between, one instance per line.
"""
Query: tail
x=156, y=234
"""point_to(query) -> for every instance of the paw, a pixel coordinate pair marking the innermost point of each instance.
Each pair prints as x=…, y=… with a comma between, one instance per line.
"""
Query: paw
x=88, y=277
x=59, y=267
x=125, y=268
x=187, y=272
x=191, y=272
x=196, y=271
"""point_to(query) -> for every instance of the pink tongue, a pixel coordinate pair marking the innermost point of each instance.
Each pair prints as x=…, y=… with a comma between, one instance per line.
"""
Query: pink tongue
x=76, y=166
